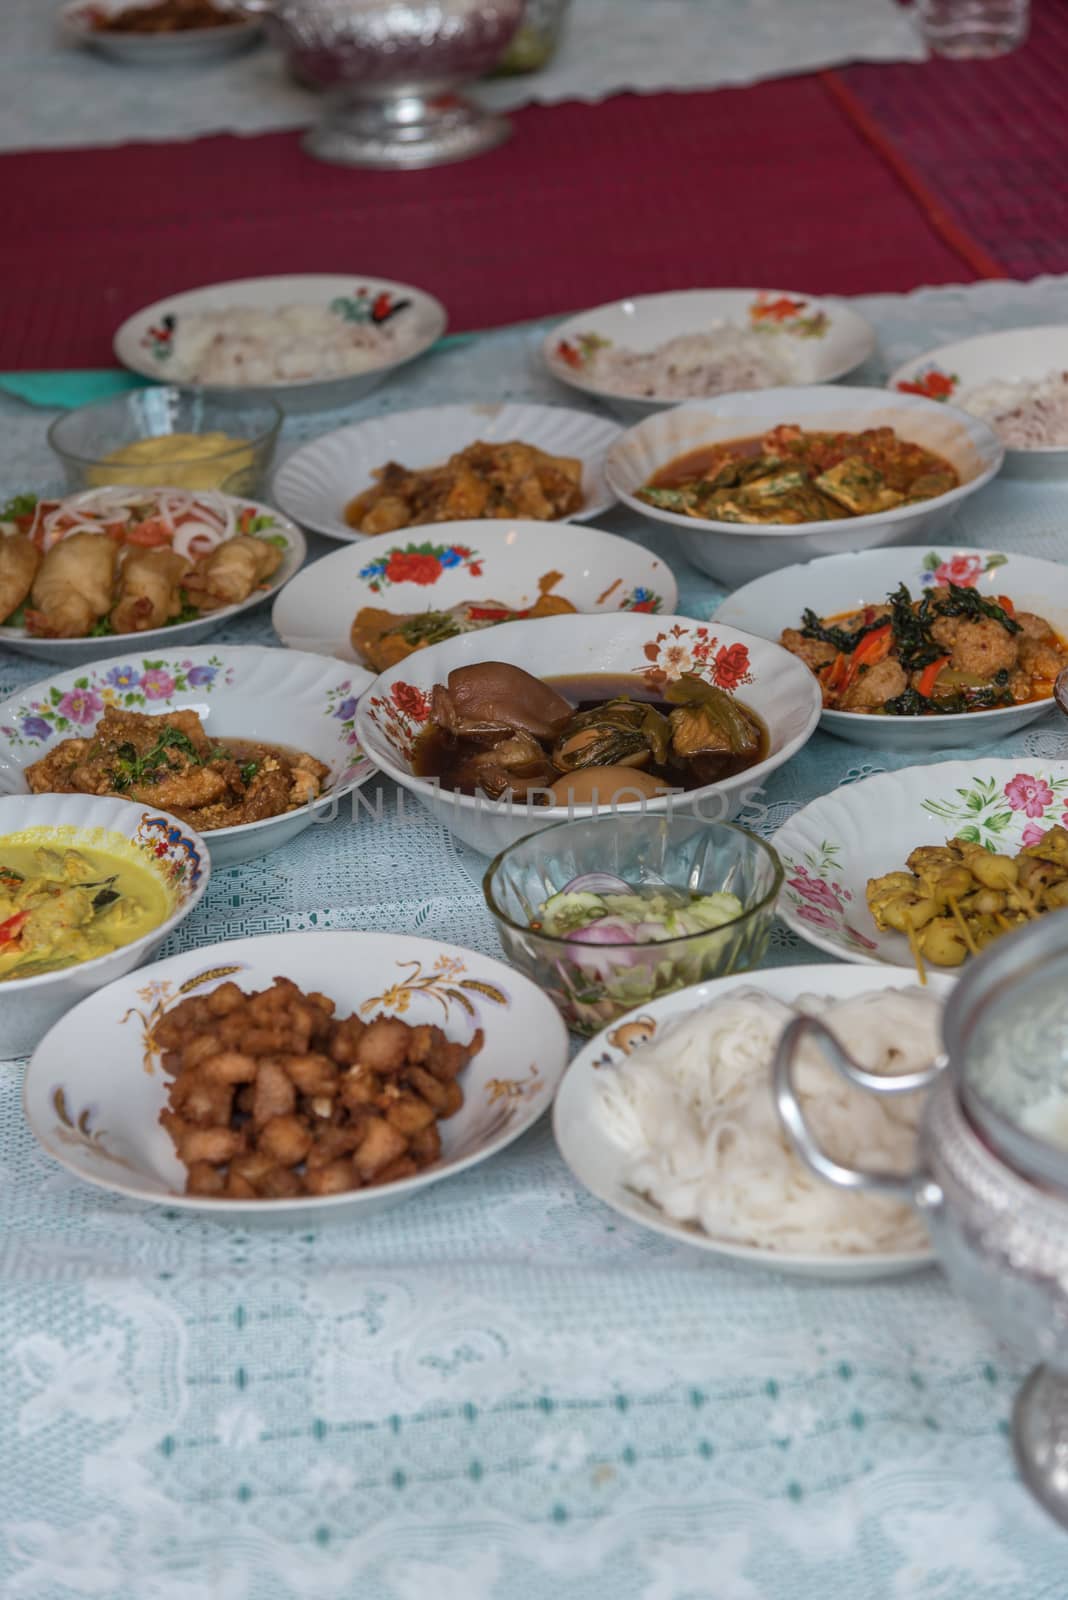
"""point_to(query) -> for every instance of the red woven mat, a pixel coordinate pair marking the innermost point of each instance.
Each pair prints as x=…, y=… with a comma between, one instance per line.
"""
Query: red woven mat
x=775, y=184
x=988, y=140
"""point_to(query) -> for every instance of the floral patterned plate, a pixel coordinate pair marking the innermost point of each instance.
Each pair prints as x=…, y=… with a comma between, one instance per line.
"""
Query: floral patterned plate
x=317, y=482
x=428, y=569
x=599, y=1165
x=656, y=650
x=953, y=372
x=833, y=846
x=144, y=342
x=841, y=583
x=95, y=1088
x=144, y=837
x=239, y=691
x=265, y=524
x=817, y=340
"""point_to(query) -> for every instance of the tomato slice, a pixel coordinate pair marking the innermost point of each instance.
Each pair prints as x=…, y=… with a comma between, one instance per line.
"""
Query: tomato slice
x=150, y=533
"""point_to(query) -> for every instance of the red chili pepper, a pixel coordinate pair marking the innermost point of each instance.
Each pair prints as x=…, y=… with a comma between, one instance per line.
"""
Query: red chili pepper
x=835, y=674
x=568, y=353
x=1006, y=605
x=874, y=646
x=929, y=676
x=10, y=930
x=493, y=613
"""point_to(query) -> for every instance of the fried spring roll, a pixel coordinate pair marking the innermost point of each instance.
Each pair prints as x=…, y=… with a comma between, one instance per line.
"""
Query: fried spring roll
x=74, y=586
x=19, y=560
x=149, y=589
x=231, y=572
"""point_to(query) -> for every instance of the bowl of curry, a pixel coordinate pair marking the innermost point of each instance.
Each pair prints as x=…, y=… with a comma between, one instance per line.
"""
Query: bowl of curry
x=752, y=480
x=89, y=889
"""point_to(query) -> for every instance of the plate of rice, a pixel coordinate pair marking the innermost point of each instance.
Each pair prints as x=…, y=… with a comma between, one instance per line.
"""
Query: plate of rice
x=657, y=350
x=311, y=342
x=669, y=1118
x=1015, y=380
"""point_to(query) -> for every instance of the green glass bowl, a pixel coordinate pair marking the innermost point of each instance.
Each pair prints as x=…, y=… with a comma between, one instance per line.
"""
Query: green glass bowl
x=593, y=985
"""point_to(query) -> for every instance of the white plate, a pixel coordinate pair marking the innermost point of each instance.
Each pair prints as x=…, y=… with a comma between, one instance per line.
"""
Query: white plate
x=317, y=482
x=94, y=1088
x=179, y=49
x=172, y=851
x=842, y=583
x=775, y=684
x=138, y=344
x=833, y=846
x=74, y=652
x=819, y=340
x=239, y=691
x=599, y=1164
x=1013, y=354
x=461, y=561
x=734, y=553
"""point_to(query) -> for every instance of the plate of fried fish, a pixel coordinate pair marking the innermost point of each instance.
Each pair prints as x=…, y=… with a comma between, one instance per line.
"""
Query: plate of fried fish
x=453, y=463
x=82, y=574
x=377, y=603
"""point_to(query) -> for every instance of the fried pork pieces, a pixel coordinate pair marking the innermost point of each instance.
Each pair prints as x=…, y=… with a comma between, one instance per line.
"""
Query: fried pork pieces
x=273, y=1097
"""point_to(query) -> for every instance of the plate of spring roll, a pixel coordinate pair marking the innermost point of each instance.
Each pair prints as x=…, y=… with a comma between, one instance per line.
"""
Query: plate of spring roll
x=163, y=566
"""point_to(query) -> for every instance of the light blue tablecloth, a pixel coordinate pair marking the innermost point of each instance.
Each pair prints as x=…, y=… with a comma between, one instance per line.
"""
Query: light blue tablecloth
x=499, y=1391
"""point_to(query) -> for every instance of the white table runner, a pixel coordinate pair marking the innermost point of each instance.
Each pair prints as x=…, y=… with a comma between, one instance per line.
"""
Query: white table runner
x=57, y=95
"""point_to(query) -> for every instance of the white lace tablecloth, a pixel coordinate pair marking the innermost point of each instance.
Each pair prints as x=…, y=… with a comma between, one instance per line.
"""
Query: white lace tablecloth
x=54, y=94
x=500, y=1390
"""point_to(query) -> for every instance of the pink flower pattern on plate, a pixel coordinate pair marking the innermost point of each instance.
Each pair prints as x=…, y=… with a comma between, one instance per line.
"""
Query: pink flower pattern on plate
x=1029, y=795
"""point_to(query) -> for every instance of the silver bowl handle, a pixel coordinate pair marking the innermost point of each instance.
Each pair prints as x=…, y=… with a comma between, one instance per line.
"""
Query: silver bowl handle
x=900, y=1185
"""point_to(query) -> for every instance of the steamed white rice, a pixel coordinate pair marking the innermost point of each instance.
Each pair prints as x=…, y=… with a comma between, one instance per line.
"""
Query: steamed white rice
x=721, y=361
x=1026, y=414
x=298, y=343
x=694, y=1113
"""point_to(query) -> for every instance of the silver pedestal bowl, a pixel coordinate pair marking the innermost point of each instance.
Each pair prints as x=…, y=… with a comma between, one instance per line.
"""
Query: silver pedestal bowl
x=991, y=1181
x=392, y=69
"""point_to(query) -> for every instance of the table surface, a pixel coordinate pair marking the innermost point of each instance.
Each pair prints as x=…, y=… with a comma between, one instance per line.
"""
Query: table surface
x=500, y=1388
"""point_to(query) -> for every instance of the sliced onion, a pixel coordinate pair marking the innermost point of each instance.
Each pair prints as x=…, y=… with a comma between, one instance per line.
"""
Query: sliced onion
x=194, y=539
x=596, y=883
x=608, y=930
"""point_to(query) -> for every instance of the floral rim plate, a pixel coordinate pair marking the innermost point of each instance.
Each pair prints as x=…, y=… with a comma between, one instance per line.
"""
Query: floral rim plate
x=144, y=342
x=316, y=483
x=820, y=339
x=831, y=847
x=460, y=561
x=267, y=524
x=94, y=1087
x=947, y=373
x=240, y=692
x=598, y=1164
x=840, y=583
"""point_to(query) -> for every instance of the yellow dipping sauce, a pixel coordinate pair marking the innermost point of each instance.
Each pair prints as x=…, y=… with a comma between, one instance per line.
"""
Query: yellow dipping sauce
x=59, y=907
x=192, y=461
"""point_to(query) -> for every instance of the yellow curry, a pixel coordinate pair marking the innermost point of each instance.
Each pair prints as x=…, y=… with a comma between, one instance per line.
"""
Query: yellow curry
x=61, y=907
x=193, y=461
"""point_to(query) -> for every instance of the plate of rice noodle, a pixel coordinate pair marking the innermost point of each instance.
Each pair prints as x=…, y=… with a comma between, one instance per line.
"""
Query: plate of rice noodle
x=160, y=566
x=669, y=1118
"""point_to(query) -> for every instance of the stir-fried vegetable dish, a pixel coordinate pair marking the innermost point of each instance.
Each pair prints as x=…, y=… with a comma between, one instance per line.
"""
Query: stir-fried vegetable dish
x=59, y=907
x=950, y=651
x=790, y=475
x=958, y=897
x=497, y=730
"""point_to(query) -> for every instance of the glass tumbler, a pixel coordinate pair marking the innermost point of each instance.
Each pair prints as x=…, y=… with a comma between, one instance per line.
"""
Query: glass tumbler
x=973, y=29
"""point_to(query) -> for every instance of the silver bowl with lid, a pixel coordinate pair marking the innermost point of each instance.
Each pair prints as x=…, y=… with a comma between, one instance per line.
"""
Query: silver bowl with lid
x=991, y=1179
x=393, y=68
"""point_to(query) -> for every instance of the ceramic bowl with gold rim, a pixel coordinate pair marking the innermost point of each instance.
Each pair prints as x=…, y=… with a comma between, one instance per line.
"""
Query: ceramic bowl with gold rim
x=95, y=1086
